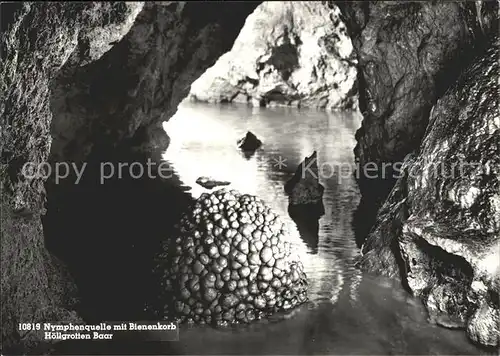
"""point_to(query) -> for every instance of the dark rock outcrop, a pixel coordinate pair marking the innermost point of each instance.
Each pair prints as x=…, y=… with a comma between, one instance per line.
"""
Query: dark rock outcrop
x=288, y=53
x=249, y=144
x=381, y=249
x=304, y=187
x=408, y=54
x=442, y=220
x=29, y=63
x=211, y=183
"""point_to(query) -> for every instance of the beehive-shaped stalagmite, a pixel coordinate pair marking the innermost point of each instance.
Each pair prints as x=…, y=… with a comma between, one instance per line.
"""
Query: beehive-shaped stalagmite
x=230, y=262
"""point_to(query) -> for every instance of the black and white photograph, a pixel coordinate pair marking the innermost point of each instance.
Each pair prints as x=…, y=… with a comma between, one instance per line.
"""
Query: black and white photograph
x=250, y=177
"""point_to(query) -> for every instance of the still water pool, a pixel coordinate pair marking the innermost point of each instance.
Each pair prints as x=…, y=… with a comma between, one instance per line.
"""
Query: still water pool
x=349, y=312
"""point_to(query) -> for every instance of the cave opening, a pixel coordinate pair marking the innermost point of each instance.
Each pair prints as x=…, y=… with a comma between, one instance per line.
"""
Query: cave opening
x=243, y=95
x=108, y=232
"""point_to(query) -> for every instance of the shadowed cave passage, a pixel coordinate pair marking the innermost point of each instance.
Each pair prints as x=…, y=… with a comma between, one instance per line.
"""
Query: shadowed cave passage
x=108, y=234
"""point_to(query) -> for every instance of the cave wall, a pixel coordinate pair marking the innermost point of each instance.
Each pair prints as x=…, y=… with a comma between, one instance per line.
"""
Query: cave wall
x=64, y=65
x=122, y=99
x=428, y=79
x=408, y=54
x=441, y=222
x=37, y=40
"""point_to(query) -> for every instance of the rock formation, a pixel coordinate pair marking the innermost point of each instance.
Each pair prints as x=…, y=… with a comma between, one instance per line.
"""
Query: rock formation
x=305, y=200
x=123, y=99
x=306, y=218
x=230, y=262
x=35, y=285
x=435, y=232
x=288, y=53
x=249, y=144
x=211, y=183
x=304, y=187
x=408, y=54
x=442, y=219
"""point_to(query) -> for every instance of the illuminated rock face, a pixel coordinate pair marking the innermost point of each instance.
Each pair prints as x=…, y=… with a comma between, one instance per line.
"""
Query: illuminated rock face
x=230, y=262
x=441, y=222
x=289, y=53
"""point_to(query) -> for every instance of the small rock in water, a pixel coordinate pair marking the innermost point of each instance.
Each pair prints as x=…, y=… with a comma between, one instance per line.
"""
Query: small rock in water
x=210, y=183
x=304, y=187
x=249, y=143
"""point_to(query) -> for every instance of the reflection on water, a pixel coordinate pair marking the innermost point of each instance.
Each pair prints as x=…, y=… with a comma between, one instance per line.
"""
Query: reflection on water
x=348, y=313
x=306, y=217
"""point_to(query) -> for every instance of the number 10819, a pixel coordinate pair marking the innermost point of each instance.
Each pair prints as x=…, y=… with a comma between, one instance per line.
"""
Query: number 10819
x=29, y=326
